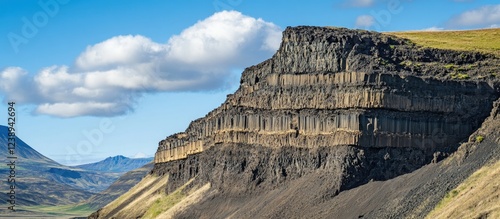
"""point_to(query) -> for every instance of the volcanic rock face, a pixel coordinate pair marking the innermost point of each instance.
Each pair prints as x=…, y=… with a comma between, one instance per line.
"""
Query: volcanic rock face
x=333, y=100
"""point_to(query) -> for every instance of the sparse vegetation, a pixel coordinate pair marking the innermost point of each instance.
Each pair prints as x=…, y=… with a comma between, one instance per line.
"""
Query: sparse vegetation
x=468, y=199
x=411, y=65
x=383, y=61
x=479, y=138
x=460, y=76
x=164, y=203
x=485, y=40
x=471, y=66
x=450, y=66
x=130, y=200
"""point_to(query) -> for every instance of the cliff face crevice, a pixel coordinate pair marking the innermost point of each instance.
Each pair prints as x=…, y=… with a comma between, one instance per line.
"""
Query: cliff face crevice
x=353, y=105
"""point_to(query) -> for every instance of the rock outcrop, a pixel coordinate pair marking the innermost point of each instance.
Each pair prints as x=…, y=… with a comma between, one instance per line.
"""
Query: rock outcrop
x=328, y=87
x=334, y=107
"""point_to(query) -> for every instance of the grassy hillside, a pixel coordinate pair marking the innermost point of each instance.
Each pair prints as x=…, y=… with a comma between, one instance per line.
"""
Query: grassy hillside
x=137, y=200
x=484, y=40
x=120, y=186
x=476, y=197
x=147, y=199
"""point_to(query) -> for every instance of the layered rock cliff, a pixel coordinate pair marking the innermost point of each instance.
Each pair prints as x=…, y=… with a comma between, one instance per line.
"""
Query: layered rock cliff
x=344, y=107
x=334, y=88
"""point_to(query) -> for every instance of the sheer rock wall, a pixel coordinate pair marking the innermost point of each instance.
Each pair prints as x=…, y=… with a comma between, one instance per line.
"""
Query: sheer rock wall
x=330, y=109
x=337, y=101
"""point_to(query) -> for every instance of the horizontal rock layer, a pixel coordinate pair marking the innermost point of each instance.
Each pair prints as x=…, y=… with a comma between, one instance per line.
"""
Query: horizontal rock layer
x=330, y=109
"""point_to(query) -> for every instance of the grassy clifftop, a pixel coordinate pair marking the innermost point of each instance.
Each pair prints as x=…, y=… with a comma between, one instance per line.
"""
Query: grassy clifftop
x=484, y=40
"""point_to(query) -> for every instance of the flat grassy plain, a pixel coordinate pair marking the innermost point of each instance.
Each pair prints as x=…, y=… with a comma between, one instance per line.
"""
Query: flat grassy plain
x=58, y=212
x=483, y=40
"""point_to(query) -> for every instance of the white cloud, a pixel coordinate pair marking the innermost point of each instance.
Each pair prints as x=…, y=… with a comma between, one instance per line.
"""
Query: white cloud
x=81, y=108
x=16, y=84
x=359, y=3
x=481, y=17
x=365, y=21
x=140, y=155
x=107, y=78
x=120, y=50
x=433, y=29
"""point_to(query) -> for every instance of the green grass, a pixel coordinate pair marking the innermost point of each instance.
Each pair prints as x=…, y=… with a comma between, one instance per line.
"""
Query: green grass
x=69, y=210
x=450, y=66
x=485, y=40
x=460, y=76
x=447, y=198
x=479, y=138
x=164, y=203
x=452, y=195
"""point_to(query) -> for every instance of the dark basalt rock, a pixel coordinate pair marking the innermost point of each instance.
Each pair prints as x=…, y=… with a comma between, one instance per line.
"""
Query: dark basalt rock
x=351, y=106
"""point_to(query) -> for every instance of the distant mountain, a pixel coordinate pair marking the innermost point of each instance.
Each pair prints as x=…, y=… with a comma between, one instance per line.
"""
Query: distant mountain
x=116, y=164
x=22, y=150
x=40, y=181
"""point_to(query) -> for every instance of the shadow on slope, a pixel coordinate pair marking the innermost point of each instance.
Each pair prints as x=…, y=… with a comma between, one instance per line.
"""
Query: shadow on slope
x=119, y=187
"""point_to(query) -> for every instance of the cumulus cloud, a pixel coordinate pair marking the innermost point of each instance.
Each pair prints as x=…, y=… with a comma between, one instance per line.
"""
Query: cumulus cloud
x=365, y=21
x=119, y=51
x=477, y=18
x=107, y=78
x=16, y=84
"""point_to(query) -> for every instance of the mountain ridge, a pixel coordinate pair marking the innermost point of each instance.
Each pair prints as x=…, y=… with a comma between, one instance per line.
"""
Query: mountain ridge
x=116, y=164
x=43, y=185
x=22, y=150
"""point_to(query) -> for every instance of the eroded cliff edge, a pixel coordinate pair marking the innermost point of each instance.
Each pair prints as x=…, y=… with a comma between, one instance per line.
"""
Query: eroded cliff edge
x=344, y=107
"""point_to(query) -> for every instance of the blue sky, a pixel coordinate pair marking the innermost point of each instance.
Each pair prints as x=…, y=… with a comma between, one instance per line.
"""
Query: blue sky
x=94, y=79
